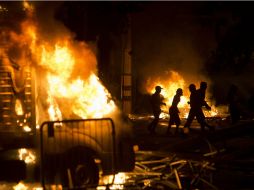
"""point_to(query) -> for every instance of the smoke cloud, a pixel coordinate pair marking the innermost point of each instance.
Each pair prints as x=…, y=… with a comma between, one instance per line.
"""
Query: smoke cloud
x=52, y=30
x=174, y=39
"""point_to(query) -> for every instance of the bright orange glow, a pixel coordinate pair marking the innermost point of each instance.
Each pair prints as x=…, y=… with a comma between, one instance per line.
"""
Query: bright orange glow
x=28, y=7
x=27, y=156
x=119, y=180
x=18, y=107
x=20, y=186
x=68, y=85
x=170, y=85
x=58, y=60
x=24, y=186
x=173, y=82
x=88, y=97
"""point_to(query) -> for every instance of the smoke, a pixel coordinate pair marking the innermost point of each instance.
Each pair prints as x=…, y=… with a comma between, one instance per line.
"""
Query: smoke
x=48, y=27
x=52, y=30
x=172, y=40
x=48, y=46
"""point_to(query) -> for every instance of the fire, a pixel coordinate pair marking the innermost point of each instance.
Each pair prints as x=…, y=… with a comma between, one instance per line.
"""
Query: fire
x=27, y=155
x=20, y=186
x=117, y=181
x=58, y=60
x=173, y=82
x=88, y=97
x=24, y=186
x=18, y=107
x=170, y=85
x=68, y=83
x=94, y=97
x=28, y=7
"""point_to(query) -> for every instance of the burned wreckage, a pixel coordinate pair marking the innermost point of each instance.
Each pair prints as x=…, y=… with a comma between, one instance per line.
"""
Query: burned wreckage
x=222, y=159
x=72, y=153
x=75, y=153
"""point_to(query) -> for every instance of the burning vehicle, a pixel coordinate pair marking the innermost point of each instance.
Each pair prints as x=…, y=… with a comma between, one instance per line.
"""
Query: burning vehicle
x=49, y=92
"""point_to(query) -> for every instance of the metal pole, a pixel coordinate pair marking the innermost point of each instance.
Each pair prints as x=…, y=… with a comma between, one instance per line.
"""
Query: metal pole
x=127, y=71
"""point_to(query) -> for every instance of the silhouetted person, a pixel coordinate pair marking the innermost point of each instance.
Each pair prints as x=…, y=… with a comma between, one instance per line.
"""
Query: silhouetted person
x=201, y=91
x=233, y=104
x=156, y=101
x=197, y=101
x=193, y=105
x=174, y=111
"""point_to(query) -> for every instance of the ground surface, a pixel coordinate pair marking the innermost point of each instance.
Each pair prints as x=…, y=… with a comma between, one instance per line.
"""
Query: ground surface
x=234, y=166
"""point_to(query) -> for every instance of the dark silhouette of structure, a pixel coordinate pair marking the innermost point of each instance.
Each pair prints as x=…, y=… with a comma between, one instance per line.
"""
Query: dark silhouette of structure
x=157, y=102
x=1, y=110
x=174, y=111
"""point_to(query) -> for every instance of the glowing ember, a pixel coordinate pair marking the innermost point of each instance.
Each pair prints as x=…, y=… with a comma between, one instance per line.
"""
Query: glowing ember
x=18, y=107
x=3, y=9
x=118, y=181
x=20, y=186
x=24, y=186
x=27, y=156
x=27, y=128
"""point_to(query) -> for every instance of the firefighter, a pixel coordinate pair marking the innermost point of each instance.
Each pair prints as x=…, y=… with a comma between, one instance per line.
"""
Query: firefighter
x=174, y=112
x=156, y=102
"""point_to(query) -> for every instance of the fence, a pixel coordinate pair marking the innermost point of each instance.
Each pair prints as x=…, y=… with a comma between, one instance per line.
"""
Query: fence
x=68, y=149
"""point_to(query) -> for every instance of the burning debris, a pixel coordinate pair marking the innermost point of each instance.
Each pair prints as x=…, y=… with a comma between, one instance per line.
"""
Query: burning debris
x=52, y=77
x=66, y=74
x=67, y=86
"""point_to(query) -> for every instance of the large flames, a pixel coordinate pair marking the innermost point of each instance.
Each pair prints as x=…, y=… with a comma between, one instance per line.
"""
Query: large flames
x=67, y=81
x=86, y=98
x=170, y=84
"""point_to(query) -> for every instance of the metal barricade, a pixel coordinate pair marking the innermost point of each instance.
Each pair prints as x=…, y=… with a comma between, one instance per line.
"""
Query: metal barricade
x=68, y=148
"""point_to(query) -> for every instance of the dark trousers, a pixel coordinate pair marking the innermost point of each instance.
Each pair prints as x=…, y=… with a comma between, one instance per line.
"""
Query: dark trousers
x=155, y=121
x=198, y=113
x=174, y=119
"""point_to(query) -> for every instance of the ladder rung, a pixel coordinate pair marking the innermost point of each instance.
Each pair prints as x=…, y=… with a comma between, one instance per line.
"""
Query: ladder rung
x=6, y=101
x=5, y=85
x=6, y=93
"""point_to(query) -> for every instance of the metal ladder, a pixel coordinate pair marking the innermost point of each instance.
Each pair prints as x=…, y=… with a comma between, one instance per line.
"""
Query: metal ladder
x=8, y=96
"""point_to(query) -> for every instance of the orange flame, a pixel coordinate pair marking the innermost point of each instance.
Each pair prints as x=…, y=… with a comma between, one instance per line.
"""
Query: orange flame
x=67, y=73
x=18, y=107
x=170, y=85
